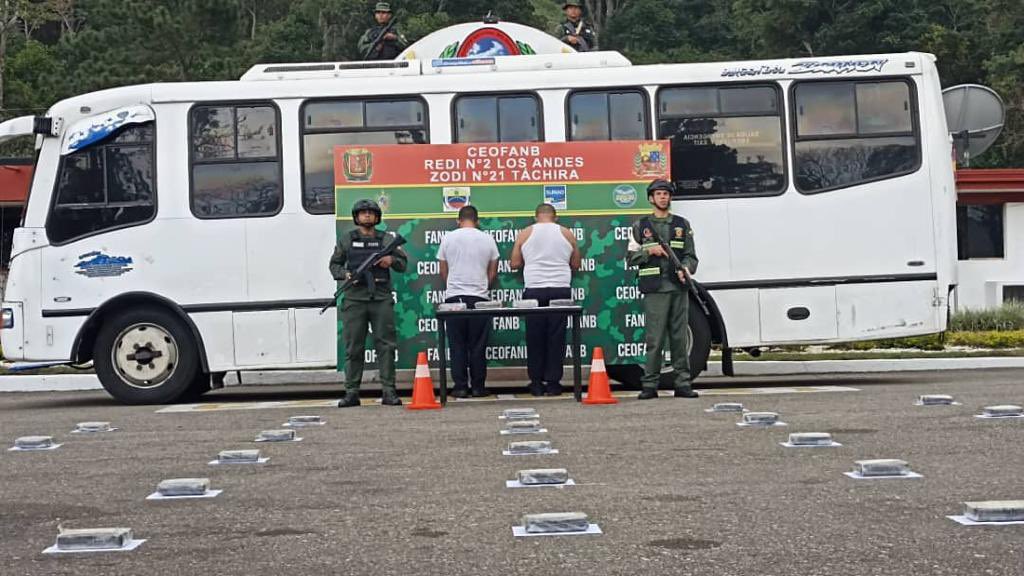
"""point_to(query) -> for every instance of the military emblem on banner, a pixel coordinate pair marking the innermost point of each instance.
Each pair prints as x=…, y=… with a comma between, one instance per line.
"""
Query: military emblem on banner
x=651, y=159
x=357, y=165
x=455, y=197
x=384, y=201
x=624, y=196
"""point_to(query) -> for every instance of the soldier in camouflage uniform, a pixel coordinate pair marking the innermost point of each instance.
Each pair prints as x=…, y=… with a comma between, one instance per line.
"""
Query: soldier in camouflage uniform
x=390, y=46
x=665, y=296
x=575, y=31
x=367, y=302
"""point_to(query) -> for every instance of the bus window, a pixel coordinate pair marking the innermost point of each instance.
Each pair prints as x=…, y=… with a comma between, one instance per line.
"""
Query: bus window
x=105, y=186
x=236, y=160
x=849, y=133
x=329, y=123
x=506, y=118
x=726, y=140
x=615, y=115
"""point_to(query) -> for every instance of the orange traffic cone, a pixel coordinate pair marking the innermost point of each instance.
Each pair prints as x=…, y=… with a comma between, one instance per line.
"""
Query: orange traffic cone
x=599, y=391
x=423, y=387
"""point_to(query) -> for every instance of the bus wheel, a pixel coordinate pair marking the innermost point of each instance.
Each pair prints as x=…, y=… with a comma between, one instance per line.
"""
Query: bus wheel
x=699, y=348
x=146, y=355
x=200, y=385
x=628, y=375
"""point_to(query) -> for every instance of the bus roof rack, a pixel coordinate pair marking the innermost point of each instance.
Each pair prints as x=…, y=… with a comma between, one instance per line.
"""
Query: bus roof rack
x=470, y=65
x=312, y=70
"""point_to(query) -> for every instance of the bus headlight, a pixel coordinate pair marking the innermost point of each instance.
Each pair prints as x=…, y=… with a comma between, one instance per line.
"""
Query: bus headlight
x=7, y=318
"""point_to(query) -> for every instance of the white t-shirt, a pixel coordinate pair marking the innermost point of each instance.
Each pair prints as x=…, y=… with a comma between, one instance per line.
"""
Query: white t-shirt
x=467, y=251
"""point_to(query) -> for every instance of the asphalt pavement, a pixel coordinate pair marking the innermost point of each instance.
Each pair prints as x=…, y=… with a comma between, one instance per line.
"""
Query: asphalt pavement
x=383, y=490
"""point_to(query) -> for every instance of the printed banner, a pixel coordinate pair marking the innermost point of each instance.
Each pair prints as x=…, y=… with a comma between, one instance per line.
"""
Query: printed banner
x=598, y=189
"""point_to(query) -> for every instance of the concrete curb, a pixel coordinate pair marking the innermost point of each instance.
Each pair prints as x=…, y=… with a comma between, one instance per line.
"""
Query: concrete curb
x=797, y=367
x=74, y=382
x=49, y=382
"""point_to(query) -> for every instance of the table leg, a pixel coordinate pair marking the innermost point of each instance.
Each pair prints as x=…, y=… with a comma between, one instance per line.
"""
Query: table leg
x=577, y=370
x=442, y=361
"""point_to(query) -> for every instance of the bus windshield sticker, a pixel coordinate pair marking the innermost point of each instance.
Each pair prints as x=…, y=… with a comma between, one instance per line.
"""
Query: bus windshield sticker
x=89, y=131
x=100, y=265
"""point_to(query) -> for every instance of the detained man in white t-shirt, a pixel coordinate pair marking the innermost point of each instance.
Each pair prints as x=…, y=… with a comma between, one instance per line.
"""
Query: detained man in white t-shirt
x=547, y=254
x=469, y=264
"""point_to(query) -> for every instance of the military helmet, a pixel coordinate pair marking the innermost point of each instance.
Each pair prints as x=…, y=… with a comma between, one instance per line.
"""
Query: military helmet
x=382, y=7
x=660, y=184
x=365, y=204
x=568, y=3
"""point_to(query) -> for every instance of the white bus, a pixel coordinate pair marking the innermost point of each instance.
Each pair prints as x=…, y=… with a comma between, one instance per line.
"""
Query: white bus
x=179, y=230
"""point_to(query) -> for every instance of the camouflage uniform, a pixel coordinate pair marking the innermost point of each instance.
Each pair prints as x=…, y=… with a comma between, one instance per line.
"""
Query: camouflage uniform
x=385, y=49
x=363, y=306
x=581, y=29
x=665, y=299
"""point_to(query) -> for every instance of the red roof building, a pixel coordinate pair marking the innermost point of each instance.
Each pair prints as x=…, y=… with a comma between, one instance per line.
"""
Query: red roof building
x=14, y=182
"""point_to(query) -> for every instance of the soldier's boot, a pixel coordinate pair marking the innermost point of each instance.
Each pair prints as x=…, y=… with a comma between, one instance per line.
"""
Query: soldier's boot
x=350, y=399
x=460, y=392
x=685, y=392
x=536, y=388
x=648, y=394
x=390, y=398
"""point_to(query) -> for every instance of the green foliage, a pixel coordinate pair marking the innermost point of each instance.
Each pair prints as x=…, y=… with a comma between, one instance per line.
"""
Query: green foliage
x=61, y=48
x=993, y=339
x=1007, y=317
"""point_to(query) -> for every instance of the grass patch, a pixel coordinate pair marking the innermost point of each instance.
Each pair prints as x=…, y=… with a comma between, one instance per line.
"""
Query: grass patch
x=991, y=339
x=1008, y=317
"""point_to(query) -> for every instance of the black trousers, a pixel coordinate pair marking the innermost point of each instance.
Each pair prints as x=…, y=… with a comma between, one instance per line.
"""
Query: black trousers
x=467, y=342
x=545, y=337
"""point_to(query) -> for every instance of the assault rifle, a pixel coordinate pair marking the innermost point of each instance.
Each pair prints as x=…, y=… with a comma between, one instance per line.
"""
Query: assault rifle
x=691, y=284
x=365, y=270
x=569, y=30
x=379, y=38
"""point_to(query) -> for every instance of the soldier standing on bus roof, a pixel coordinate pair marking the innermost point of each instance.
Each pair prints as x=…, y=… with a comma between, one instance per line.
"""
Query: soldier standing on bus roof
x=665, y=296
x=574, y=30
x=393, y=42
x=367, y=305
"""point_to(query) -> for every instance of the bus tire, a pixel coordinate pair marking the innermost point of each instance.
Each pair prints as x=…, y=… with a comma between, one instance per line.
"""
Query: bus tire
x=199, y=386
x=630, y=375
x=146, y=355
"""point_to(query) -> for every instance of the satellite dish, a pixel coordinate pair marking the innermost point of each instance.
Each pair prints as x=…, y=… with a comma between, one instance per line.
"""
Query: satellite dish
x=974, y=115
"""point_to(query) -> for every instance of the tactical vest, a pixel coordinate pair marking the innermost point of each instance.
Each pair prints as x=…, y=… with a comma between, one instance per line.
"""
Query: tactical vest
x=651, y=273
x=389, y=49
x=360, y=249
x=581, y=29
